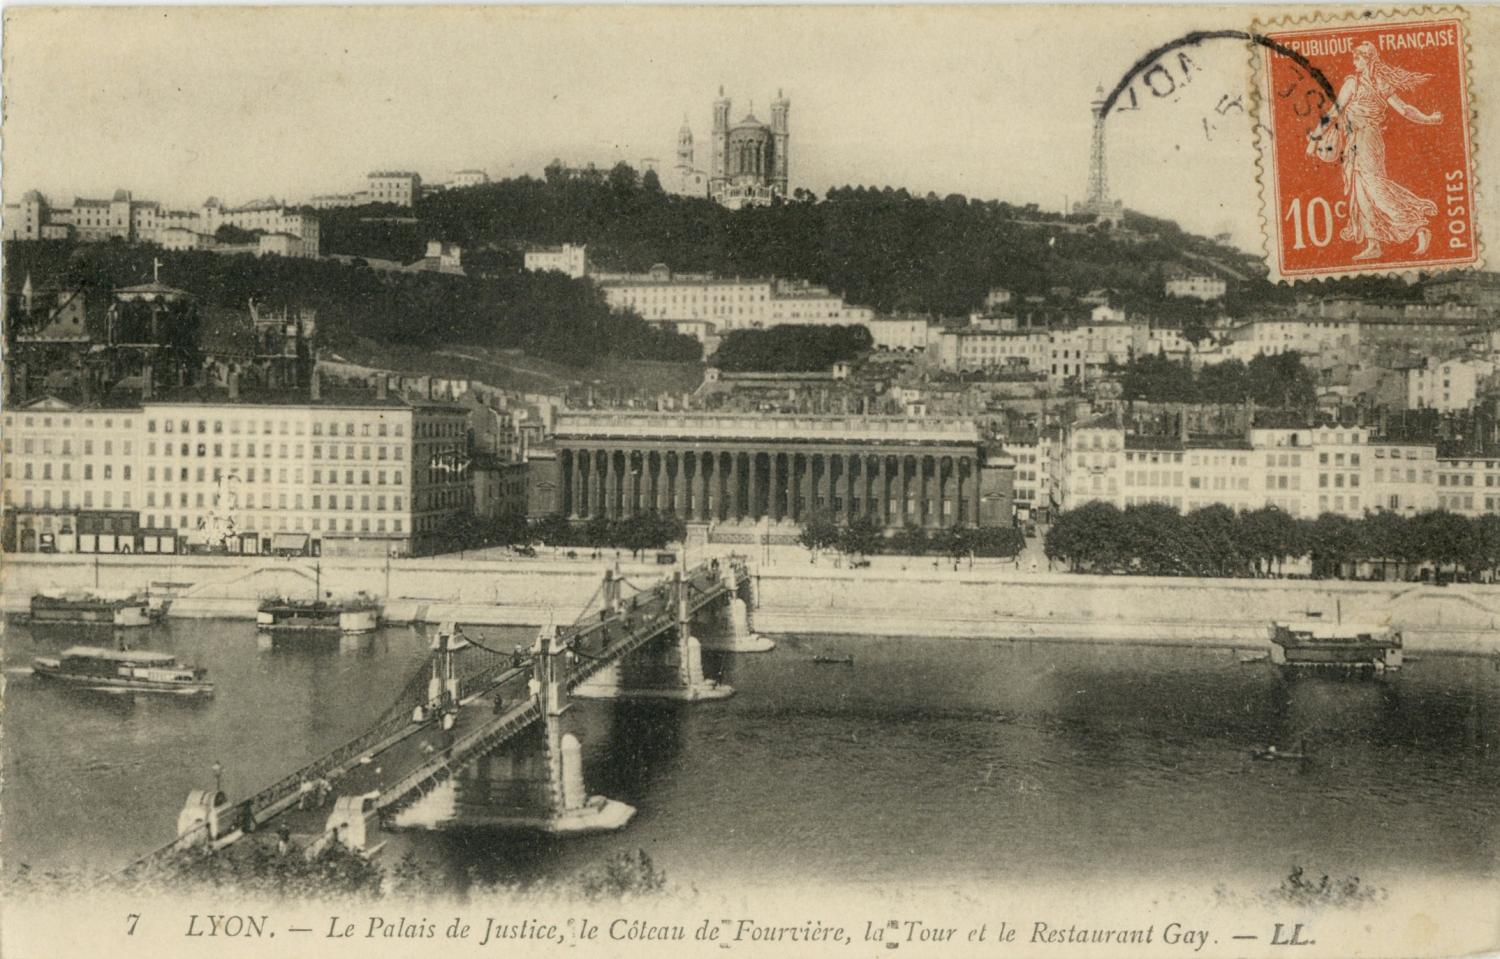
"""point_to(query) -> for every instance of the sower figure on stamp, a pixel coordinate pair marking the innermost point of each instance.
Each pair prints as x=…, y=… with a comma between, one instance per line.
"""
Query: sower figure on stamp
x=1380, y=209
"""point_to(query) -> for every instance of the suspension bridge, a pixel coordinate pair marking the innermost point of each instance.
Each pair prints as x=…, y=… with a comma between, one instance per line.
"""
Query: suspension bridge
x=467, y=700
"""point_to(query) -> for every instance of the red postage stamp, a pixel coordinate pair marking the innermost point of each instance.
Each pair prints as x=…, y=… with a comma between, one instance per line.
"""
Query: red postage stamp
x=1366, y=145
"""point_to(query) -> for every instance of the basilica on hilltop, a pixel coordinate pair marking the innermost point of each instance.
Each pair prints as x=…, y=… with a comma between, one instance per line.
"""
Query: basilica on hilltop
x=749, y=158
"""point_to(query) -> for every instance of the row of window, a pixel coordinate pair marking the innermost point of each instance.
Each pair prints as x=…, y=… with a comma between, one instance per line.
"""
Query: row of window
x=272, y=427
x=247, y=474
x=65, y=499
x=282, y=501
x=65, y=471
x=274, y=451
x=297, y=523
x=65, y=446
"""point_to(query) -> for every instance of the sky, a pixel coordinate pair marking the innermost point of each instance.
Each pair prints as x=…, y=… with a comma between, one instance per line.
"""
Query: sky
x=178, y=104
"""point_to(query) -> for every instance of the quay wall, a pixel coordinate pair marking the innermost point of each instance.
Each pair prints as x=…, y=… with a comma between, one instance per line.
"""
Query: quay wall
x=497, y=592
x=983, y=603
x=1063, y=606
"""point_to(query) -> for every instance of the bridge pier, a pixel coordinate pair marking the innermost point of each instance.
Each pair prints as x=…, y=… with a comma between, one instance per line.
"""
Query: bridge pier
x=572, y=809
x=740, y=636
x=198, y=824
x=354, y=824
x=669, y=668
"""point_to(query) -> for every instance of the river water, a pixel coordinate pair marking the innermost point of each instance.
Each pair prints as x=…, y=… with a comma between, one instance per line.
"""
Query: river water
x=926, y=759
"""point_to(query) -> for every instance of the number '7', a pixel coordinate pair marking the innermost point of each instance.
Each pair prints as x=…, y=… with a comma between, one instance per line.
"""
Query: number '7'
x=132, y=918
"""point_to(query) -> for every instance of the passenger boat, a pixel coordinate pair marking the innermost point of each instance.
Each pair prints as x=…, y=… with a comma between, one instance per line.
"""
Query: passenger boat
x=1313, y=643
x=359, y=615
x=126, y=670
x=105, y=609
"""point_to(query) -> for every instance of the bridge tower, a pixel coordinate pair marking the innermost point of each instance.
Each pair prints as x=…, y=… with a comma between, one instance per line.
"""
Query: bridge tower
x=668, y=668
x=737, y=634
x=572, y=809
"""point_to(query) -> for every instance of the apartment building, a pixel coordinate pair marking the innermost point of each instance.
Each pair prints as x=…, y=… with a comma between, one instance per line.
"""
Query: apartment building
x=567, y=258
x=346, y=471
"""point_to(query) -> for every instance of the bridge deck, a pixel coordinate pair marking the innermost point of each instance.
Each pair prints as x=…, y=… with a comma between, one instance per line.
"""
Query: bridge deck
x=399, y=757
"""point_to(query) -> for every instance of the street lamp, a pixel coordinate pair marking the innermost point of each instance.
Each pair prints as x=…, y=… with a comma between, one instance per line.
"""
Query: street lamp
x=218, y=780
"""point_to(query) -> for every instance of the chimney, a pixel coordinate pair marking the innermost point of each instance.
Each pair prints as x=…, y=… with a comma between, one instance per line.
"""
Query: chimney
x=380, y=386
x=148, y=381
x=20, y=383
x=234, y=386
x=315, y=386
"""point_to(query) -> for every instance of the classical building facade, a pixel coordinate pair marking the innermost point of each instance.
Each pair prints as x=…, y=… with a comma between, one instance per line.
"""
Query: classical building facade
x=725, y=468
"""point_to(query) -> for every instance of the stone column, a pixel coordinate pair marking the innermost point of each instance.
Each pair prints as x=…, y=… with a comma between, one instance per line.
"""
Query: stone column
x=689, y=470
x=785, y=481
x=752, y=483
x=575, y=473
x=603, y=464
x=850, y=488
x=960, y=489
x=659, y=481
x=632, y=484
x=947, y=503
x=974, y=482
x=708, y=468
x=734, y=486
x=905, y=512
x=596, y=483
x=924, y=488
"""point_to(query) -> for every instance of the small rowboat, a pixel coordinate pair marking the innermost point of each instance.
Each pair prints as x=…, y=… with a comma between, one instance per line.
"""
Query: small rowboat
x=834, y=660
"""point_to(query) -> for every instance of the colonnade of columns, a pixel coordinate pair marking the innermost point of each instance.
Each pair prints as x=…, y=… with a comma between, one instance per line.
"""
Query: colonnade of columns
x=932, y=490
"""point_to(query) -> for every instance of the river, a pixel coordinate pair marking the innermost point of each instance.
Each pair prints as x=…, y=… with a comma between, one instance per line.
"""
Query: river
x=925, y=759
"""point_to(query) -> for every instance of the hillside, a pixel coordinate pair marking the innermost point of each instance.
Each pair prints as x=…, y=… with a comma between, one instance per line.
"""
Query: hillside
x=515, y=370
x=882, y=248
x=547, y=315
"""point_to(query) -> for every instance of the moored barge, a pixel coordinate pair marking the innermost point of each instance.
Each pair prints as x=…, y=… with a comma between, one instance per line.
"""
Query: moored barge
x=124, y=609
x=1315, y=644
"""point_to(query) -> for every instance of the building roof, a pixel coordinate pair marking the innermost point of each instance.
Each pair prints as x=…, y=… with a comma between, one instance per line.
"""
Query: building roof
x=153, y=288
x=1280, y=420
x=331, y=396
x=1137, y=441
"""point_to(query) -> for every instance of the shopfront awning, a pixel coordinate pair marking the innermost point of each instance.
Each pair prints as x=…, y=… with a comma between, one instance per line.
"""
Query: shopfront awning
x=289, y=541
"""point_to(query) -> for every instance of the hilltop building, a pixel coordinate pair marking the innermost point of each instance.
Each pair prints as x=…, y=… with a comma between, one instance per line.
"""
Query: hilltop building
x=283, y=230
x=569, y=259
x=750, y=158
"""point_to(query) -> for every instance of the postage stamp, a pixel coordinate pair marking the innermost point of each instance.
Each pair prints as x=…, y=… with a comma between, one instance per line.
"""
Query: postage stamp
x=1365, y=131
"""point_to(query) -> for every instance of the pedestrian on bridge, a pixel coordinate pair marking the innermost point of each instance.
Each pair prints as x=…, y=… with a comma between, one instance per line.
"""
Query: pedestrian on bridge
x=304, y=792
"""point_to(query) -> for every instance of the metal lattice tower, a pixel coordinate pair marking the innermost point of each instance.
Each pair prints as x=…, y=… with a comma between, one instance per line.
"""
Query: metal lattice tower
x=1098, y=192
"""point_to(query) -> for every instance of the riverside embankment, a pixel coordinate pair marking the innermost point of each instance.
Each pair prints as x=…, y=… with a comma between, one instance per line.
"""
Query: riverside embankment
x=796, y=598
x=1063, y=606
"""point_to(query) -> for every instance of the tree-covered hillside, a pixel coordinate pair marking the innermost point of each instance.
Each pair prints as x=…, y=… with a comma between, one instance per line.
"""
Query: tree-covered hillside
x=546, y=314
x=883, y=248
